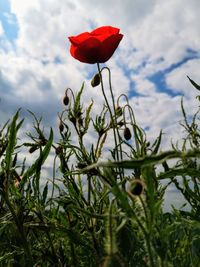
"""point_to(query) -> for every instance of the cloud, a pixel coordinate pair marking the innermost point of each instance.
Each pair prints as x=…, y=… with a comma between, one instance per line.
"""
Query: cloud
x=178, y=82
x=159, y=49
x=156, y=36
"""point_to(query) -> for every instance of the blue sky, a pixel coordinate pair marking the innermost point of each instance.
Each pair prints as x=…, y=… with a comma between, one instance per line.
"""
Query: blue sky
x=159, y=49
x=8, y=20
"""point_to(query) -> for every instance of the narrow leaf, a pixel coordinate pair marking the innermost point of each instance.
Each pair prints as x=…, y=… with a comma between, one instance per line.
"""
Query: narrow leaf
x=194, y=84
x=40, y=161
x=12, y=140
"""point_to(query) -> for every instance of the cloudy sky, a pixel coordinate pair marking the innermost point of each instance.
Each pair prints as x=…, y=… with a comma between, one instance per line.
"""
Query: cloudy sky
x=161, y=46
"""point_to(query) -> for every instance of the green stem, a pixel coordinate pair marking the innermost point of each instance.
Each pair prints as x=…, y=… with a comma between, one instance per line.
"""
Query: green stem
x=114, y=108
x=54, y=176
x=20, y=229
x=109, y=109
x=89, y=189
x=115, y=123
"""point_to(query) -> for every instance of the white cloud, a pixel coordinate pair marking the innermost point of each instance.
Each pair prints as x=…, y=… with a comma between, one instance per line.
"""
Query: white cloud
x=154, y=31
x=157, y=34
x=178, y=82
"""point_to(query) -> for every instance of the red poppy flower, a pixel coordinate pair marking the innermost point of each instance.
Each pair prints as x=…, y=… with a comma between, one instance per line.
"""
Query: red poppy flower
x=97, y=46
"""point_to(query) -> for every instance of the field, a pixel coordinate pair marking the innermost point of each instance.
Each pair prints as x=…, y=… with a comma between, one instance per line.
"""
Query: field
x=94, y=212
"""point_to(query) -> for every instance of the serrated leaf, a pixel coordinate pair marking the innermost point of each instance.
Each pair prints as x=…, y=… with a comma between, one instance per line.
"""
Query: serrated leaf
x=87, y=117
x=101, y=145
x=12, y=140
x=77, y=100
x=35, y=168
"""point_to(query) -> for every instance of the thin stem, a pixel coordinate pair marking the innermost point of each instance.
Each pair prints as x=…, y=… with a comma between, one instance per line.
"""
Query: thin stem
x=69, y=89
x=134, y=126
x=109, y=109
x=114, y=107
x=54, y=176
x=89, y=189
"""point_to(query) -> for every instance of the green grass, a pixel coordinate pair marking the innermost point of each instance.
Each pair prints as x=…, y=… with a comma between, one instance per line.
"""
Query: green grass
x=98, y=213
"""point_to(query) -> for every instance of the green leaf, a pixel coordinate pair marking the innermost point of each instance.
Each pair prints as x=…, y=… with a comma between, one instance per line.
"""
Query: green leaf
x=157, y=143
x=178, y=172
x=36, y=167
x=194, y=84
x=146, y=161
x=9, y=255
x=87, y=117
x=77, y=106
x=13, y=128
x=45, y=192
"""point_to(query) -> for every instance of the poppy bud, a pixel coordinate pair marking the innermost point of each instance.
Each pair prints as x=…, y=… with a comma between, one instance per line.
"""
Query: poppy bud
x=72, y=119
x=58, y=150
x=80, y=121
x=33, y=149
x=120, y=123
x=118, y=111
x=96, y=80
x=66, y=100
x=148, y=144
x=78, y=114
x=136, y=187
x=61, y=127
x=101, y=132
x=127, y=133
x=81, y=165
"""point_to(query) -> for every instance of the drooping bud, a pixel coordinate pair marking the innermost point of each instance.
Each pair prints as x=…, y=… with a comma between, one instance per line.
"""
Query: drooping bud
x=61, y=127
x=96, y=80
x=58, y=150
x=66, y=100
x=72, y=119
x=118, y=111
x=80, y=121
x=33, y=148
x=136, y=187
x=127, y=133
x=81, y=165
x=120, y=123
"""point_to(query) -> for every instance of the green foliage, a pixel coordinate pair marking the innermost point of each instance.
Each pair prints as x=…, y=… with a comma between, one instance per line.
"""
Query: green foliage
x=86, y=215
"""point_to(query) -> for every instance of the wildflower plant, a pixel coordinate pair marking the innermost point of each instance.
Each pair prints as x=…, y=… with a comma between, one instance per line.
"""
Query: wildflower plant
x=93, y=212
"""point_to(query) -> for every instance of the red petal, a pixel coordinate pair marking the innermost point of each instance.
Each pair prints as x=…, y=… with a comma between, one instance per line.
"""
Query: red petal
x=76, y=40
x=87, y=51
x=109, y=46
x=105, y=30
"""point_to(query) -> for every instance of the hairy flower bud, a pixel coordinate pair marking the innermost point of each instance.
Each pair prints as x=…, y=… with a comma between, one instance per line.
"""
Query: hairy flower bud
x=127, y=133
x=61, y=127
x=120, y=123
x=136, y=187
x=96, y=80
x=72, y=119
x=58, y=150
x=33, y=148
x=66, y=100
x=118, y=111
x=80, y=121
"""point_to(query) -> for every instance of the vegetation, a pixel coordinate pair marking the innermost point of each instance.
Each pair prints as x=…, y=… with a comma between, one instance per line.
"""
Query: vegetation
x=98, y=213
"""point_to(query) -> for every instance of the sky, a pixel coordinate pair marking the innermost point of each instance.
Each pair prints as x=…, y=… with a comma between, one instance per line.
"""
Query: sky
x=160, y=47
